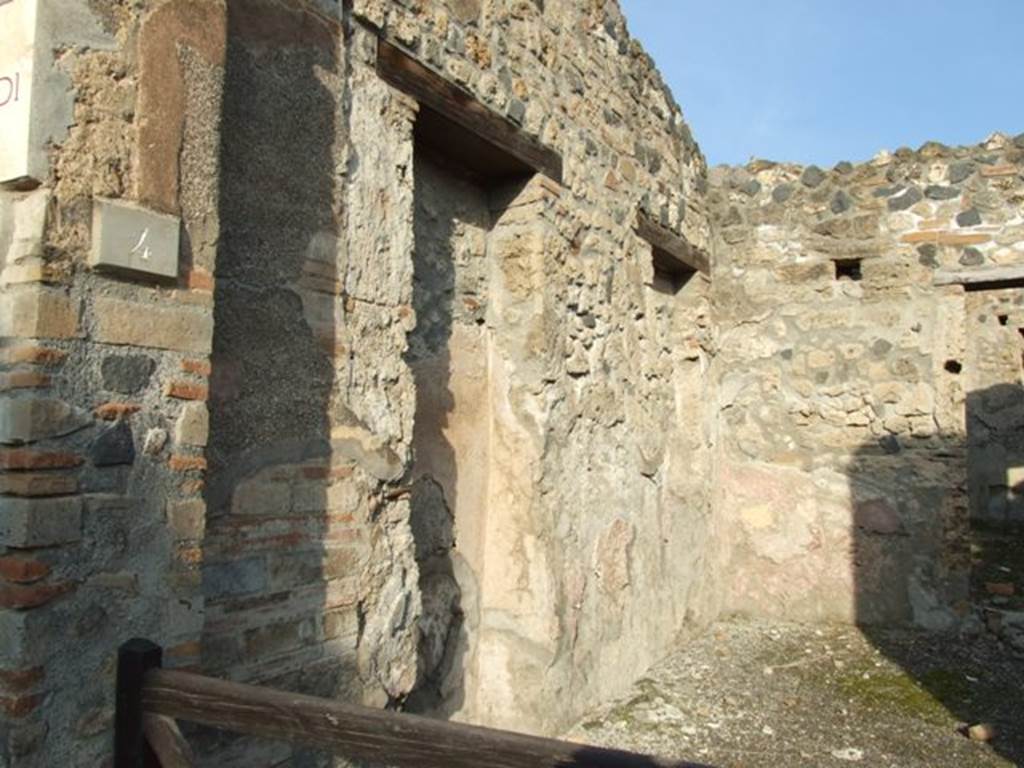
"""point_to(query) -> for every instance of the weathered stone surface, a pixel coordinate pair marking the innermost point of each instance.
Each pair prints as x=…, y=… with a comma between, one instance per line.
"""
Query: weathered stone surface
x=905, y=199
x=381, y=322
x=928, y=255
x=27, y=420
x=969, y=218
x=187, y=518
x=193, y=425
x=813, y=177
x=29, y=523
x=834, y=404
x=129, y=323
x=937, y=192
x=127, y=374
x=751, y=188
x=840, y=202
x=25, y=218
x=114, y=446
x=40, y=105
x=236, y=577
x=38, y=313
x=782, y=193
x=972, y=257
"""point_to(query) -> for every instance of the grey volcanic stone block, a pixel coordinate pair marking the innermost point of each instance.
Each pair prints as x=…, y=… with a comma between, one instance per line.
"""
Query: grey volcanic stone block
x=928, y=256
x=910, y=197
x=127, y=374
x=813, y=177
x=959, y=172
x=972, y=257
x=115, y=447
x=969, y=218
x=841, y=202
x=782, y=193
x=751, y=188
x=938, y=192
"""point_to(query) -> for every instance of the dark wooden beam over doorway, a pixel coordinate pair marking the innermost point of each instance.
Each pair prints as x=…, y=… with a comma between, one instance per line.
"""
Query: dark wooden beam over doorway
x=493, y=140
x=672, y=253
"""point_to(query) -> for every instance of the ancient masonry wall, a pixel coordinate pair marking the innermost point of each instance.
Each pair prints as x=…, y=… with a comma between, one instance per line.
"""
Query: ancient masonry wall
x=295, y=395
x=223, y=458
x=847, y=349
x=104, y=381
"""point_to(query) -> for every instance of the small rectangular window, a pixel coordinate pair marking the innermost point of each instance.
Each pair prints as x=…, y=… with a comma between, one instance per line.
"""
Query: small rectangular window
x=848, y=269
x=670, y=275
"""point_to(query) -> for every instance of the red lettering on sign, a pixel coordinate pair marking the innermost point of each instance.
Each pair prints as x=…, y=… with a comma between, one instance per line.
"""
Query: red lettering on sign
x=10, y=87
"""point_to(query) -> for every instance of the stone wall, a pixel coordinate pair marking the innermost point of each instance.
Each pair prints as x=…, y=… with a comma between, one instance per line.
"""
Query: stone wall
x=102, y=410
x=376, y=431
x=559, y=439
x=847, y=352
x=315, y=404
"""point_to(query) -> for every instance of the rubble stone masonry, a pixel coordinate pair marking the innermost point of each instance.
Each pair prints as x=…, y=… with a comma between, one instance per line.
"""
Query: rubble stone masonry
x=410, y=434
x=849, y=358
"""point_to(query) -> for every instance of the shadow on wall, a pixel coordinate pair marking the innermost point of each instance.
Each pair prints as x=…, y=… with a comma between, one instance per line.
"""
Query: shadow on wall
x=267, y=561
x=441, y=681
x=448, y=357
x=923, y=558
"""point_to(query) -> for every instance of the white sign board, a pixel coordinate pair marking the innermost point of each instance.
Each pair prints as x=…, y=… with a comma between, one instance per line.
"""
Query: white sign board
x=17, y=46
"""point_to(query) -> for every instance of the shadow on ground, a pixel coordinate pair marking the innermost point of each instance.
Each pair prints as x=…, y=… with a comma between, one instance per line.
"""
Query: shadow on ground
x=933, y=550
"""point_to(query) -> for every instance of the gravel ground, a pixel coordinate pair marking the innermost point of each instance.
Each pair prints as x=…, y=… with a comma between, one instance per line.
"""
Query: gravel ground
x=754, y=694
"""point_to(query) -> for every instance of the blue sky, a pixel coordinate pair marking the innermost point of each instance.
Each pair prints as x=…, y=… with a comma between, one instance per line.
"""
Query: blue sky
x=819, y=81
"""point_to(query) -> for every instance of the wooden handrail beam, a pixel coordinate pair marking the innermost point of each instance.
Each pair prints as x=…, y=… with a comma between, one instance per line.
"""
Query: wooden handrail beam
x=165, y=739
x=367, y=734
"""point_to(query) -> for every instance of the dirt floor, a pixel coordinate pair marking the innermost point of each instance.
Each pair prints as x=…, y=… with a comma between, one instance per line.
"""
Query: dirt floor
x=751, y=694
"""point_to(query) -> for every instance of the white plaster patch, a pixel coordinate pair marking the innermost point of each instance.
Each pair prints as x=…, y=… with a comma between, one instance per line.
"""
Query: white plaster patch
x=134, y=238
x=18, y=28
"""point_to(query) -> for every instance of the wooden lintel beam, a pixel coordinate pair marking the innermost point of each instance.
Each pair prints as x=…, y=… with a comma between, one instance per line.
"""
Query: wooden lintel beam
x=410, y=76
x=990, y=279
x=671, y=244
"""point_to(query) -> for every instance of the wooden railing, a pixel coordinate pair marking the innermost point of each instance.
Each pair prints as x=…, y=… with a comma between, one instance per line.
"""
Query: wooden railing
x=150, y=700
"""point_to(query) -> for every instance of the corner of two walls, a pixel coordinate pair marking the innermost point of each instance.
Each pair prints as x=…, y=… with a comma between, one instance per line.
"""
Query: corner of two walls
x=842, y=462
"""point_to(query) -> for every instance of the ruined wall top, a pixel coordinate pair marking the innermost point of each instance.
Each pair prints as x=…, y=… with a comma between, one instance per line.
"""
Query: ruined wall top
x=570, y=74
x=951, y=208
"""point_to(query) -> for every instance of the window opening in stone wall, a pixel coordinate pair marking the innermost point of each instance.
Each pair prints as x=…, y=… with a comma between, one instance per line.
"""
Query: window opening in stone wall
x=674, y=258
x=954, y=366
x=848, y=269
x=670, y=276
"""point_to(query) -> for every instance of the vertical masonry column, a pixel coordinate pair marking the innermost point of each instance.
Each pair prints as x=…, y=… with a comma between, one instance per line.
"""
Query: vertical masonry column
x=278, y=551
x=105, y=334
x=375, y=397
